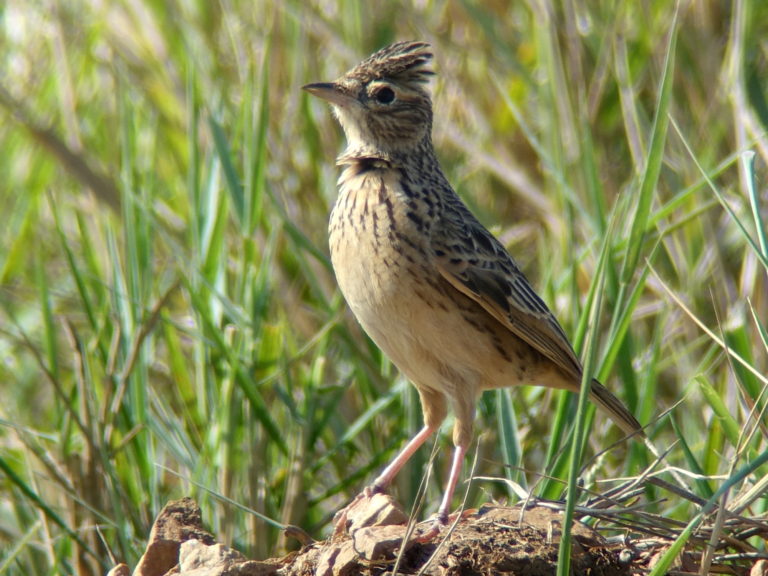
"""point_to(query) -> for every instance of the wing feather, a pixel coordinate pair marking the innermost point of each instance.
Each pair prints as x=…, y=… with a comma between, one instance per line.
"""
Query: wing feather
x=476, y=264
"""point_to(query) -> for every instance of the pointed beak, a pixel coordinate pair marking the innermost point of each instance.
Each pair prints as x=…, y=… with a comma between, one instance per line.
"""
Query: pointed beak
x=330, y=92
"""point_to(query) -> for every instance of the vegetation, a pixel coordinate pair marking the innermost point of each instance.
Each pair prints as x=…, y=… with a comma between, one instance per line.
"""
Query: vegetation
x=170, y=324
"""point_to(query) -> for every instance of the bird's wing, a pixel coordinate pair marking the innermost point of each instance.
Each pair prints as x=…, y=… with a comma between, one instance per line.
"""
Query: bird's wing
x=476, y=264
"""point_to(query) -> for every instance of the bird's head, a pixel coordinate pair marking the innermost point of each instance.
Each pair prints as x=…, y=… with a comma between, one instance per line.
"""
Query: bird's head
x=382, y=103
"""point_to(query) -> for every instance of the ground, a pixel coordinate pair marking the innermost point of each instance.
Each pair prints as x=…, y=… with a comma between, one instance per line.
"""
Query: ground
x=368, y=540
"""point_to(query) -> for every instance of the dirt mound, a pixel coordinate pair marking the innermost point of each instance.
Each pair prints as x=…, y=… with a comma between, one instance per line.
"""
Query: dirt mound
x=369, y=540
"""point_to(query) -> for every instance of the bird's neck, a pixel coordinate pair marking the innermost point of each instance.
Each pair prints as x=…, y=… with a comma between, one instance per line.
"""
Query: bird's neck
x=364, y=154
x=370, y=156
x=417, y=170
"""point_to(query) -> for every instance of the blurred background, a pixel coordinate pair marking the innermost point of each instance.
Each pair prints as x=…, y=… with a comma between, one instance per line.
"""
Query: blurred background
x=170, y=324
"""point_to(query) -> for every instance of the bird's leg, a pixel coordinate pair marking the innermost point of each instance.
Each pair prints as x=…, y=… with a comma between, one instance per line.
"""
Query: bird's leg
x=464, y=410
x=385, y=478
x=458, y=462
x=388, y=474
x=445, y=505
x=434, y=407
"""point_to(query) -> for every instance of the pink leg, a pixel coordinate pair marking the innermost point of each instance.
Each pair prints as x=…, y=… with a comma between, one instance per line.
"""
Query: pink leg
x=389, y=473
x=434, y=408
x=458, y=461
x=385, y=478
x=453, y=479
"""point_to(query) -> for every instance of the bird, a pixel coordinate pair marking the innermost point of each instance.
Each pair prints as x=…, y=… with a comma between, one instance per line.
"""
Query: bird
x=430, y=285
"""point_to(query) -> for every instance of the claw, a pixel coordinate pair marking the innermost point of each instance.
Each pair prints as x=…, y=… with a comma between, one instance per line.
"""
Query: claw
x=440, y=522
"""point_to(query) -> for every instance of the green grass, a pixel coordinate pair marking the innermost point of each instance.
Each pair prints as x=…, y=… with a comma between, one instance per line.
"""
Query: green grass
x=169, y=321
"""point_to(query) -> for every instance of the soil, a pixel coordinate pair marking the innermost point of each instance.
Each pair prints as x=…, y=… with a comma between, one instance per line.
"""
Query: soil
x=369, y=539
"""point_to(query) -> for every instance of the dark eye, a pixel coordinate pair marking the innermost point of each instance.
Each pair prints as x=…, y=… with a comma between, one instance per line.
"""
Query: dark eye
x=384, y=95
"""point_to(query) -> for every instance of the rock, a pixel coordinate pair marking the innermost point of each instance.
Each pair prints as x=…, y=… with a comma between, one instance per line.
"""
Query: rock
x=379, y=542
x=179, y=546
x=341, y=560
x=369, y=538
x=760, y=568
x=214, y=559
x=199, y=559
x=120, y=570
x=374, y=510
x=177, y=522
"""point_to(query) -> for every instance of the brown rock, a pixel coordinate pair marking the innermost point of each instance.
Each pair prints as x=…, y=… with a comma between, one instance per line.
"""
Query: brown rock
x=199, y=559
x=374, y=510
x=760, y=568
x=341, y=560
x=120, y=570
x=195, y=555
x=378, y=542
x=177, y=522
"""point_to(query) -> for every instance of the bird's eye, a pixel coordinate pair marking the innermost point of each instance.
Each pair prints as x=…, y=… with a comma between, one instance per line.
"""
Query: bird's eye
x=384, y=95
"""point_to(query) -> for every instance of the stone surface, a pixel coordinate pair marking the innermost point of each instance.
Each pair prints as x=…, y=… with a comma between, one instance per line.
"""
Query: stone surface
x=120, y=570
x=178, y=521
x=368, y=510
x=369, y=539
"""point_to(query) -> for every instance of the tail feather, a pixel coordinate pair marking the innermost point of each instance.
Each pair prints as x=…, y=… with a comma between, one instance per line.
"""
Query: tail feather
x=612, y=406
x=607, y=402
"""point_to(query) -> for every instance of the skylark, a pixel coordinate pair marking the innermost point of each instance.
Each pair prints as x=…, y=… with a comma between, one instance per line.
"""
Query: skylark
x=430, y=285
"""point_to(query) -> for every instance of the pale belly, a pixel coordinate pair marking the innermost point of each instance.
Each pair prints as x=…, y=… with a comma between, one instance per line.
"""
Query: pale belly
x=437, y=337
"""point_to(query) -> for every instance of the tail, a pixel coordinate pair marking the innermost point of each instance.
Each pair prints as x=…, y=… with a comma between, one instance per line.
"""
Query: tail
x=612, y=406
x=605, y=399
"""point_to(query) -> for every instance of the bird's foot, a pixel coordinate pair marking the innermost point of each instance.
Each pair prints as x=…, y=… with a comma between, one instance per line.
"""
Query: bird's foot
x=340, y=523
x=433, y=530
x=440, y=522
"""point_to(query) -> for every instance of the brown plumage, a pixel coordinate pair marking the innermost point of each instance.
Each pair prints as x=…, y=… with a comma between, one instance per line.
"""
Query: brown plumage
x=429, y=284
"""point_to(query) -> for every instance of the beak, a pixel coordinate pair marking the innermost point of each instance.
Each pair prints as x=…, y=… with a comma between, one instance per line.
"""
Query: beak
x=331, y=92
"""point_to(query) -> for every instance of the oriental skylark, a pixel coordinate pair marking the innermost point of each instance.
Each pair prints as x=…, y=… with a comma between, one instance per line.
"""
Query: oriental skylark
x=429, y=284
